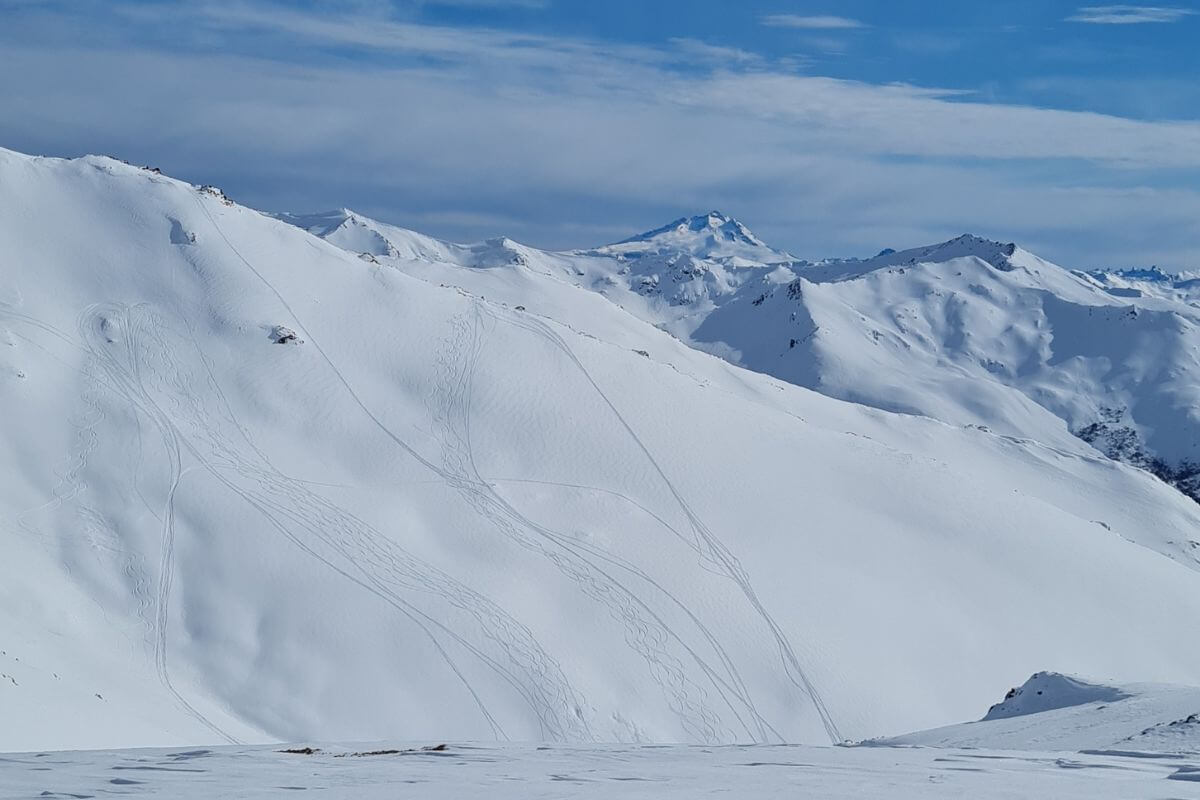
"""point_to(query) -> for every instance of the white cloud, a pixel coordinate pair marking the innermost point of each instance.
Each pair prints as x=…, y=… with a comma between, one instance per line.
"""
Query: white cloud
x=473, y=132
x=810, y=23
x=489, y=3
x=715, y=54
x=1128, y=15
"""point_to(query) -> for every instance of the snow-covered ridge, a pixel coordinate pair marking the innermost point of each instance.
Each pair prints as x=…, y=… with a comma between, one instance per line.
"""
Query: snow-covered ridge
x=1000, y=256
x=995, y=253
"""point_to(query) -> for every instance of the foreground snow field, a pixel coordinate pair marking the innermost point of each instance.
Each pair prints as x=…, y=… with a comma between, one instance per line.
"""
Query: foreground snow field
x=525, y=771
x=1055, y=736
x=259, y=488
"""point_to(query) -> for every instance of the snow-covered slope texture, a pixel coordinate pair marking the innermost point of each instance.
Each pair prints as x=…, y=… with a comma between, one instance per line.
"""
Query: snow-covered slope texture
x=1058, y=712
x=256, y=487
x=969, y=331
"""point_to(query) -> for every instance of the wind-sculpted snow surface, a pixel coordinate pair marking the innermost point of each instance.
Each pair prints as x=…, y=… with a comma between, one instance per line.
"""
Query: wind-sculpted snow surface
x=499, y=510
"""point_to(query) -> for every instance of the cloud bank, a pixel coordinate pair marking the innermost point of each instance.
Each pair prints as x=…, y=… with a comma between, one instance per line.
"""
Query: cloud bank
x=560, y=141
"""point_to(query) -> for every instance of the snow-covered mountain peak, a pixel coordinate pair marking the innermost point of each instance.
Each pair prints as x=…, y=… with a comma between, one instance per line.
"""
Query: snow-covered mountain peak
x=1003, y=256
x=722, y=226
x=714, y=236
x=714, y=222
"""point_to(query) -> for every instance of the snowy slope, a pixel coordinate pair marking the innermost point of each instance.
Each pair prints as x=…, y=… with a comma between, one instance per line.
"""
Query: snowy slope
x=435, y=515
x=968, y=331
x=1057, y=712
x=970, y=342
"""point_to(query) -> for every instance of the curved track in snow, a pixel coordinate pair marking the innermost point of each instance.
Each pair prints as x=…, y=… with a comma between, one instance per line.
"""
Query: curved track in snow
x=711, y=548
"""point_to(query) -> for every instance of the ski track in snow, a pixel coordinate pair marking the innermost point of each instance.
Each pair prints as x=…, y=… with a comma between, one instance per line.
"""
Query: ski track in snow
x=129, y=386
x=67, y=491
x=701, y=722
x=712, y=549
x=385, y=569
x=646, y=633
x=140, y=334
x=541, y=682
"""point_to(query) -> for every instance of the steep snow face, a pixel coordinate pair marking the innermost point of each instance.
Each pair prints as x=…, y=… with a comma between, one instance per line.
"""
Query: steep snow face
x=258, y=487
x=968, y=343
x=973, y=331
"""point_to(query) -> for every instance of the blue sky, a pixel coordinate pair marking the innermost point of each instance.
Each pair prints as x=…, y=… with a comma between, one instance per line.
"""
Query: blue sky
x=829, y=128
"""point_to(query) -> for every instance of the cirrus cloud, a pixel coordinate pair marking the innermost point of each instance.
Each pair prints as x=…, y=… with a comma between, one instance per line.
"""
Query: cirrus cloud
x=810, y=23
x=1129, y=15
